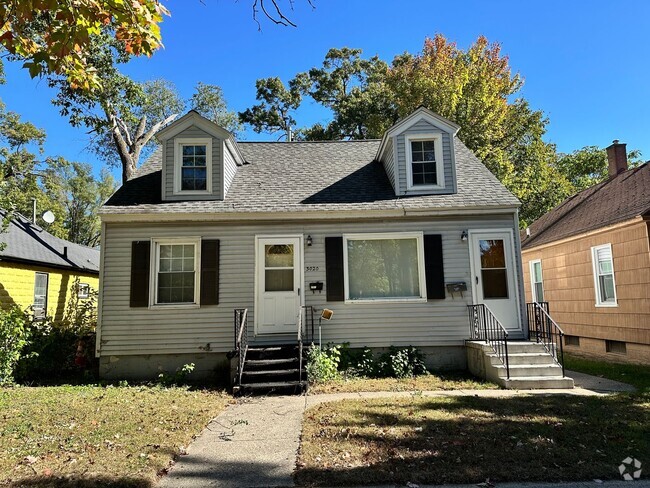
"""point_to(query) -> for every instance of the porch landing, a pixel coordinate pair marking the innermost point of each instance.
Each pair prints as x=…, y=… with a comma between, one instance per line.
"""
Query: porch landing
x=530, y=366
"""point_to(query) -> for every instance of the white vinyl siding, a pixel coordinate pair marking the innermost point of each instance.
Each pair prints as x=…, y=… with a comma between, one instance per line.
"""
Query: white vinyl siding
x=536, y=281
x=229, y=169
x=384, y=267
x=604, y=282
x=126, y=330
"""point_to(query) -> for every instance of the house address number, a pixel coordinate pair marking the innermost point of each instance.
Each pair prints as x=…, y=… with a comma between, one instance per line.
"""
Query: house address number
x=311, y=268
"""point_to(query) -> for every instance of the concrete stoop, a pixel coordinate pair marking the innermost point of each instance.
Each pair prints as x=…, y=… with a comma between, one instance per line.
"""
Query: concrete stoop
x=531, y=366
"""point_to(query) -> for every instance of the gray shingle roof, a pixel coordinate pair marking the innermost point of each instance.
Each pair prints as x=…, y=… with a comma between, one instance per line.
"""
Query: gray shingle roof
x=27, y=242
x=623, y=197
x=312, y=176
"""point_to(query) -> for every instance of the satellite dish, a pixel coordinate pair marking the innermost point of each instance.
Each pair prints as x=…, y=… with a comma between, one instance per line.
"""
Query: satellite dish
x=48, y=217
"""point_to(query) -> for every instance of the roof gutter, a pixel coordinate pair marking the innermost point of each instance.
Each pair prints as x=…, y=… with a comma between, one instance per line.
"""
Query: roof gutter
x=12, y=259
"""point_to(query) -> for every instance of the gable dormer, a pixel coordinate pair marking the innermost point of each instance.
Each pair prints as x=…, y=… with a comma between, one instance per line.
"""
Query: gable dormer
x=199, y=159
x=418, y=154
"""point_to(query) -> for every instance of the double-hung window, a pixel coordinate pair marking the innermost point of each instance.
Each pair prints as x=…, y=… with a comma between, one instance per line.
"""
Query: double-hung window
x=40, y=295
x=604, y=282
x=193, y=166
x=424, y=162
x=536, y=283
x=384, y=267
x=176, y=272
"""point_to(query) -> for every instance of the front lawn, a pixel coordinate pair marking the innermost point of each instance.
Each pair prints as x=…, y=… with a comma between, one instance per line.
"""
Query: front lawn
x=434, y=381
x=634, y=374
x=470, y=439
x=95, y=436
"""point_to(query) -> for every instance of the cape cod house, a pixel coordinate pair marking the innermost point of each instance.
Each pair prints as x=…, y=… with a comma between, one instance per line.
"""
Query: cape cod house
x=218, y=245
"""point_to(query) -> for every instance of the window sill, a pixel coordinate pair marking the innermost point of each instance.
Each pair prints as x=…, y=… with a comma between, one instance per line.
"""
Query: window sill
x=173, y=306
x=191, y=192
x=386, y=300
x=607, y=305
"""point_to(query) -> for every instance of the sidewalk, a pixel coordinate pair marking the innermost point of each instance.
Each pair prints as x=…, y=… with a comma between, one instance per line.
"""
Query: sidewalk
x=254, y=442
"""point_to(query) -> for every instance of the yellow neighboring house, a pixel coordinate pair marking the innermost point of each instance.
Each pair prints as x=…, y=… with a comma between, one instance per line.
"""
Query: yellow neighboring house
x=42, y=272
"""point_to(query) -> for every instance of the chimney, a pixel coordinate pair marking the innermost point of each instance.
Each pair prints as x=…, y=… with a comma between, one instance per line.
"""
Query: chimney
x=65, y=252
x=617, y=158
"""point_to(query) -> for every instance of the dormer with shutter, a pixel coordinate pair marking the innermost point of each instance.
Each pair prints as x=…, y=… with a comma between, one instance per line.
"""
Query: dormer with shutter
x=418, y=154
x=199, y=159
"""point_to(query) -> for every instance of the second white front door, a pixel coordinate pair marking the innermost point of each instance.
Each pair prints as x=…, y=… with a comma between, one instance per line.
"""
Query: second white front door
x=494, y=276
x=279, y=281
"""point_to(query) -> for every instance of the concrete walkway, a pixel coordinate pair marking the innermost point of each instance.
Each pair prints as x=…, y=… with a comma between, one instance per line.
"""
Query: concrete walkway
x=254, y=442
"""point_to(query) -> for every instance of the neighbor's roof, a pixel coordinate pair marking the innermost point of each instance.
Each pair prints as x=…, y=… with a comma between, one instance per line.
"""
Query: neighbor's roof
x=312, y=176
x=27, y=242
x=617, y=199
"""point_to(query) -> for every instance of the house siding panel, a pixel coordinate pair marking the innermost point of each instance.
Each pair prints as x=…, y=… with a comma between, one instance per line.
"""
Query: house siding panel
x=389, y=162
x=423, y=127
x=229, y=169
x=127, y=330
x=568, y=279
x=168, y=167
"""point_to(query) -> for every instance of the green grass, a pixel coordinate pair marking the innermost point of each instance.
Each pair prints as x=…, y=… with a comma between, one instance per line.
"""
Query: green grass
x=469, y=439
x=634, y=374
x=433, y=381
x=91, y=436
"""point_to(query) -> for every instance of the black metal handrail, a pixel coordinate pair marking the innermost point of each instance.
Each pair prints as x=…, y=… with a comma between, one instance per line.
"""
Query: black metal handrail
x=241, y=340
x=546, y=331
x=486, y=327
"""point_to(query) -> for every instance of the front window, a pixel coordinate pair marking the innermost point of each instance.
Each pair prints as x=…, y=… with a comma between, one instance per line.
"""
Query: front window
x=176, y=273
x=537, y=286
x=425, y=169
x=193, y=166
x=604, y=275
x=40, y=295
x=384, y=267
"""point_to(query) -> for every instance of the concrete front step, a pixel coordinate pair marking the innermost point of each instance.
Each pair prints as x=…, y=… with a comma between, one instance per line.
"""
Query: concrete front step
x=525, y=358
x=539, y=383
x=527, y=371
x=525, y=346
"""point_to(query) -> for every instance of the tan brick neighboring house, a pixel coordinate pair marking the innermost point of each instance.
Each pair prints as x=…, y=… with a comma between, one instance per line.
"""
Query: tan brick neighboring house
x=589, y=258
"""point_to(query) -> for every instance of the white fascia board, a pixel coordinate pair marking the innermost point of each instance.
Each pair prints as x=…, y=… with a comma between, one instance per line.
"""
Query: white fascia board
x=192, y=119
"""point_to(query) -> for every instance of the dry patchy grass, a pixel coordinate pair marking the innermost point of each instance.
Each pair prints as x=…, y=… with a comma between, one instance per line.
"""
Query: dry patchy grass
x=91, y=436
x=429, y=382
x=469, y=439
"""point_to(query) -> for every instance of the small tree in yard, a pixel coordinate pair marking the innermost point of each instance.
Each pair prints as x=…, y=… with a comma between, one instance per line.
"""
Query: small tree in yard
x=15, y=334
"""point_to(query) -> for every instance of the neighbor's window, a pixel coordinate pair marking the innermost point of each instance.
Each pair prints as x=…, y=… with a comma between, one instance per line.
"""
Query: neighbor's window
x=384, y=266
x=537, y=286
x=615, y=347
x=83, y=290
x=193, y=165
x=570, y=340
x=424, y=161
x=176, y=273
x=604, y=282
x=40, y=295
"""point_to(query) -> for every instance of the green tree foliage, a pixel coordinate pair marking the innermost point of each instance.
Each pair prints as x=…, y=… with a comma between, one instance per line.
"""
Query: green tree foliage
x=54, y=37
x=209, y=101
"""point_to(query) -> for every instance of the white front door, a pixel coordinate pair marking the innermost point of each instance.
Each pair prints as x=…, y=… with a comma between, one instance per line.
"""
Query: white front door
x=493, y=275
x=279, y=281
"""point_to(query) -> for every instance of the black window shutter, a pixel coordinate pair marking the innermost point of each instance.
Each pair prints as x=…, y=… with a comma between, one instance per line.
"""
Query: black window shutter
x=334, y=269
x=210, y=272
x=433, y=266
x=140, y=261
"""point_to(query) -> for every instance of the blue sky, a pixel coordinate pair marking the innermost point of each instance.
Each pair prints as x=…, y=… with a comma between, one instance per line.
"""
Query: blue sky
x=586, y=64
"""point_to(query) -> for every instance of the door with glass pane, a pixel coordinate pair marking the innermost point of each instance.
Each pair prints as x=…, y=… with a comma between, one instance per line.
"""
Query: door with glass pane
x=494, y=276
x=279, y=280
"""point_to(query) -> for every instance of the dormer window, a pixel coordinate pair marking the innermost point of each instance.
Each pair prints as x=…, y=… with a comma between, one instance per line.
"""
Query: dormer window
x=193, y=166
x=425, y=168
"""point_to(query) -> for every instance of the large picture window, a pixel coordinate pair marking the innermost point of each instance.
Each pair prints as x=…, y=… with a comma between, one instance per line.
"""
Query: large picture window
x=425, y=169
x=193, y=162
x=384, y=267
x=176, y=272
x=604, y=282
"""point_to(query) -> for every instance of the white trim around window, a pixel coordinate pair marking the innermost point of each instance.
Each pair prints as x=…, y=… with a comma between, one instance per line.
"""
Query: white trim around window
x=436, y=137
x=534, y=281
x=179, y=142
x=421, y=278
x=154, y=301
x=602, y=261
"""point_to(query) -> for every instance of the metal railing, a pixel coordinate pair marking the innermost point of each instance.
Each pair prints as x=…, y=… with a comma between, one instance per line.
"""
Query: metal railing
x=241, y=340
x=546, y=331
x=486, y=327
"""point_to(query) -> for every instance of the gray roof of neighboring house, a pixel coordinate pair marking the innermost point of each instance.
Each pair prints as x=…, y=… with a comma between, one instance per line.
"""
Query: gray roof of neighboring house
x=623, y=197
x=312, y=176
x=27, y=242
